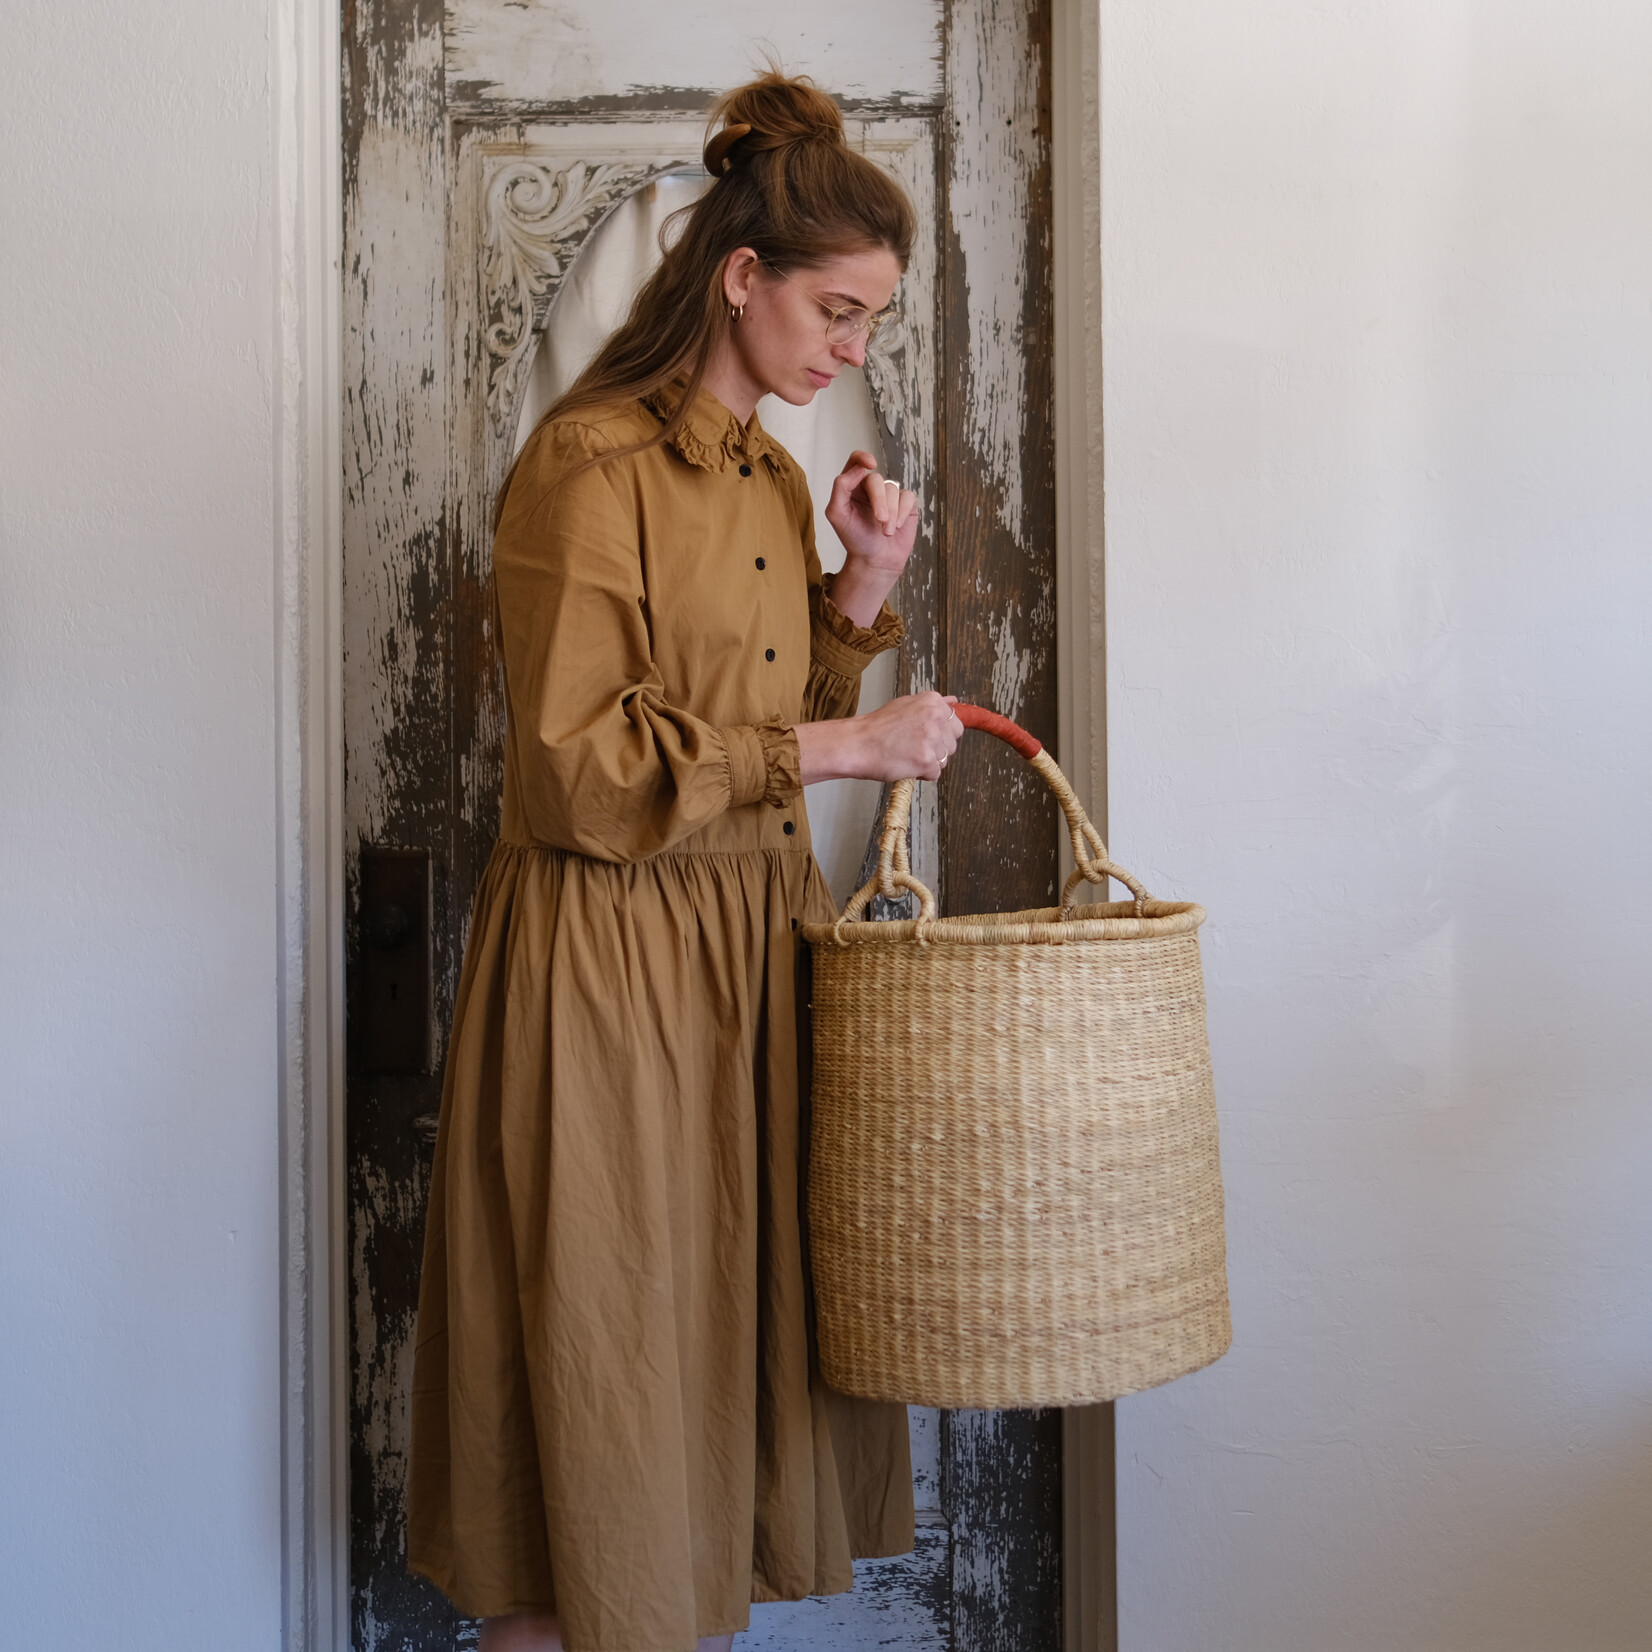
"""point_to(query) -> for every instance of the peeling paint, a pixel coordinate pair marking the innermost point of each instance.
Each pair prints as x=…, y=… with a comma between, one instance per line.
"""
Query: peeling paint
x=395, y=393
x=903, y=1604
x=998, y=620
x=397, y=677
x=997, y=150
x=1011, y=666
x=543, y=51
x=1003, y=1471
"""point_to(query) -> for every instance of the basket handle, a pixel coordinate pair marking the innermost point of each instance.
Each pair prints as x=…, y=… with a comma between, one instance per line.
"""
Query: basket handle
x=894, y=873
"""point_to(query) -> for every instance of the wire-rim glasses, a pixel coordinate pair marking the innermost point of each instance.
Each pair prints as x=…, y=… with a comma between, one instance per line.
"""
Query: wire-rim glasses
x=844, y=324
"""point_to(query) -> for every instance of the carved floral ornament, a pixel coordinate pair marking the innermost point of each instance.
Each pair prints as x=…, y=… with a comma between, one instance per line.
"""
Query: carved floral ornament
x=536, y=217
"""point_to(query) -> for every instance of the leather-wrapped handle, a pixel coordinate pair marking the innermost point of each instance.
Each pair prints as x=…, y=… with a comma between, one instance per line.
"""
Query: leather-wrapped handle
x=989, y=722
x=894, y=874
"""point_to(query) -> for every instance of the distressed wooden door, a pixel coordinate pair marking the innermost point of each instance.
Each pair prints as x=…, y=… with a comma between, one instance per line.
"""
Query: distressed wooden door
x=484, y=144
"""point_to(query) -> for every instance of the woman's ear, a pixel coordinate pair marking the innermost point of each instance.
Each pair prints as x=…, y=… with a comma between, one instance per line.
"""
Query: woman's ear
x=737, y=276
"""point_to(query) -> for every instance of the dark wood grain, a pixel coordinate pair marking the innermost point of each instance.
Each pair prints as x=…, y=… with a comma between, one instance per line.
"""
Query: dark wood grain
x=998, y=578
x=398, y=758
x=1002, y=1472
x=1002, y=1490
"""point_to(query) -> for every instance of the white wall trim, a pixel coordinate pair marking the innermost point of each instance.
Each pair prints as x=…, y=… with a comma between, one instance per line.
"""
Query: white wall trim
x=1089, y=1548
x=309, y=756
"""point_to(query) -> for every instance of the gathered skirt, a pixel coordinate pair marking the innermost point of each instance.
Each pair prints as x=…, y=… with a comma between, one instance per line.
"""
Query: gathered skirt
x=617, y=1415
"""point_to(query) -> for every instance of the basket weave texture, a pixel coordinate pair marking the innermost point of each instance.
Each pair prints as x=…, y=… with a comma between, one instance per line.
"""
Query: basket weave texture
x=1015, y=1193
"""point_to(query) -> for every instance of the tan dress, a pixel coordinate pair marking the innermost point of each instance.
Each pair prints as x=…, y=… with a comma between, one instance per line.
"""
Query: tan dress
x=616, y=1410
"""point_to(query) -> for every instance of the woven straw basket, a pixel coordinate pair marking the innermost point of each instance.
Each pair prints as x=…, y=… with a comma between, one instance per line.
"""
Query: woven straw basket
x=1015, y=1197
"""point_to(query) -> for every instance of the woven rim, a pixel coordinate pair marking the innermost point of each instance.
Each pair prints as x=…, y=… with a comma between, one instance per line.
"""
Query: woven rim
x=1145, y=920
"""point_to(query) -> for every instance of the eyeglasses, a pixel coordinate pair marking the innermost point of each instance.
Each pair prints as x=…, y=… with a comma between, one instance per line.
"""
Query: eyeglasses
x=845, y=325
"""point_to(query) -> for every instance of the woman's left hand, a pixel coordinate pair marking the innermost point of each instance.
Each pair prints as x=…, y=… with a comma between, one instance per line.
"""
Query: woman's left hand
x=875, y=517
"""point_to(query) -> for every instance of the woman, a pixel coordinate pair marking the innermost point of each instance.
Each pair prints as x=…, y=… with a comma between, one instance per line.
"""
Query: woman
x=620, y=1439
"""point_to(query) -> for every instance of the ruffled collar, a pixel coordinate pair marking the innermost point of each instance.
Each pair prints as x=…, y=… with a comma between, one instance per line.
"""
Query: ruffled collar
x=711, y=437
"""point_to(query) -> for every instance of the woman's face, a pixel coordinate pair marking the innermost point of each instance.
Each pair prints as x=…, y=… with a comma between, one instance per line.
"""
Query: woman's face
x=780, y=341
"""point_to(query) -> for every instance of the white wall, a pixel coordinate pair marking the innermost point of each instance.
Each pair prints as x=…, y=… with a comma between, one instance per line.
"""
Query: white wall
x=1379, y=480
x=139, y=1284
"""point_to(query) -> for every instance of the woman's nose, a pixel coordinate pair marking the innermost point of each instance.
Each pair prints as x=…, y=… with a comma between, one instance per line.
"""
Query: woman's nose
x=854, y=352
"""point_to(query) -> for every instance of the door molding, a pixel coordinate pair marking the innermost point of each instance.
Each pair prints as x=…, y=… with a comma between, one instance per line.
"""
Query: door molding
x=306, y=160
x=1089, y=1532
x=527, y=197
x=528, y=200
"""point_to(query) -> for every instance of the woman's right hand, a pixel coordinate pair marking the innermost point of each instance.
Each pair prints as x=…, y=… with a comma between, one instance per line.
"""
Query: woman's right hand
x=909, y=738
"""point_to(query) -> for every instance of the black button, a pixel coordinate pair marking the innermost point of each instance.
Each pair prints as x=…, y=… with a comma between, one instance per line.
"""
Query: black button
x=745, y=470
x=761, y=564
x=788, y=828
x=768, y=653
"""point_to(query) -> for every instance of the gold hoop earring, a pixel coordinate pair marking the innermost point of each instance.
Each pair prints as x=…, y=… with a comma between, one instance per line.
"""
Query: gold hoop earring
x=735, y=311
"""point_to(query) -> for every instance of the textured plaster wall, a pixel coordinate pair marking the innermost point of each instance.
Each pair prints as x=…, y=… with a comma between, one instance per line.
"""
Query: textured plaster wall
x=139, y=1359
x=1379, y=502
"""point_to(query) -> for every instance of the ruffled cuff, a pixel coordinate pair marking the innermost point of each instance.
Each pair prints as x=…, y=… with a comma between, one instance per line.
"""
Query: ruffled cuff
x=765, y=764
x=837, y=643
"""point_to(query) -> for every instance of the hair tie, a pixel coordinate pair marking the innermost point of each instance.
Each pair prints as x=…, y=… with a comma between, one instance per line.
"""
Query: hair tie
x=717, y=151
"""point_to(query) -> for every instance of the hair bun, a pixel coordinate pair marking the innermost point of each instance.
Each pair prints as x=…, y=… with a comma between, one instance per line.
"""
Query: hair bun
x=775, y=111
x=717, y=151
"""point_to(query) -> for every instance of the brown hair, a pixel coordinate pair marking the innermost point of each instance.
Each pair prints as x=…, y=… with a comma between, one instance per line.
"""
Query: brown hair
x=789, y=188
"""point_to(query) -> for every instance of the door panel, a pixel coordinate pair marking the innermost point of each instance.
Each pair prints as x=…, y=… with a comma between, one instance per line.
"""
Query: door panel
x=469, y=198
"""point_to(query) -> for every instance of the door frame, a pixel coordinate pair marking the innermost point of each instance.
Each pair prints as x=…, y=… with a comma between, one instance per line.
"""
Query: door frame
x=306, y=162
x=1089, y=1531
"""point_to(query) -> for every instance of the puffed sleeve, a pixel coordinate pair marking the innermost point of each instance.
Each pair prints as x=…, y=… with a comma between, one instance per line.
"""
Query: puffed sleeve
x=604, y=765
x=839, y=650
